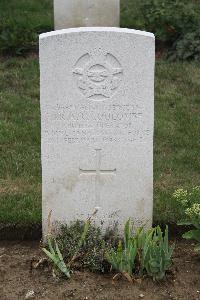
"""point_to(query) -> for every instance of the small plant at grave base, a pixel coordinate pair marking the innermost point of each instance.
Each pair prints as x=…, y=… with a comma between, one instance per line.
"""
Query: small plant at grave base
x=123, y=258
x=144, y=252
x=54, y=254
x=91, y=253
x=189, y=204
x=155, y=253
x=56, y=257
x=83, y=245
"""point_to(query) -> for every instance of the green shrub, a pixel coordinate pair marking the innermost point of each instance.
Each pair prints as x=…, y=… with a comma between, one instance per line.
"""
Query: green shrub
x=91, y=253
x=17, y=37
x=189, y=207
x=186, y=47
x=176, y=23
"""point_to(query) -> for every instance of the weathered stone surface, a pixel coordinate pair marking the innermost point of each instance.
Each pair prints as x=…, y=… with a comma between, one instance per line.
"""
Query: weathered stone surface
x=97, y=110
x=81, y=13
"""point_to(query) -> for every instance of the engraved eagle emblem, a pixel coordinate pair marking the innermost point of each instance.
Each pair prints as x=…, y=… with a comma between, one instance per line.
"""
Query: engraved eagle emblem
x=98, y=75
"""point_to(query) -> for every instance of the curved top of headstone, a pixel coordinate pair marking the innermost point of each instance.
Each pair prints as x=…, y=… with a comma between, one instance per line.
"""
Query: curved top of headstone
x=96, y=29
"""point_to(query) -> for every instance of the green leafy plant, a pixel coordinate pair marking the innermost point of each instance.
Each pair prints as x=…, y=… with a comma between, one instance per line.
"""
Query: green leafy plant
x=54, y=253
x=81, y=240
x=56, y=257
x=123, y=258
x=156, y=254
x=146, y=251
x=142, y=238
x=189, y=204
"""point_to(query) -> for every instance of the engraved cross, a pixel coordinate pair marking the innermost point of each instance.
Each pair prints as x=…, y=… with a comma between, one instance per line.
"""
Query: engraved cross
x=97, y=172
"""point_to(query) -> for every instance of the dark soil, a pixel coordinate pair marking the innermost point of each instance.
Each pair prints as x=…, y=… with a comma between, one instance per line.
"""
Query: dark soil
x=17, y=278
x=13, y=232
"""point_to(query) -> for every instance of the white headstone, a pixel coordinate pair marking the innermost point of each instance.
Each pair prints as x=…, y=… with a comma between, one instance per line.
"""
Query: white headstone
x=97, y=109
x=81, y=13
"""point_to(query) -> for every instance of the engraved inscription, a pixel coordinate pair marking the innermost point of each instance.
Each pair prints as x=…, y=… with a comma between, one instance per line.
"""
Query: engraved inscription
x=98, y=75
x=97, y=172
x=95, y=123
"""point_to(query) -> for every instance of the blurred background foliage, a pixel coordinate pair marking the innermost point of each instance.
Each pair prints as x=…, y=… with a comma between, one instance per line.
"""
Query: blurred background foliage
x=21, y=22
x=175, y=23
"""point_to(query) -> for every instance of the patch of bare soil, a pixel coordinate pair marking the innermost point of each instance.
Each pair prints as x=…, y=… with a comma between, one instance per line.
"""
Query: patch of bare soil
x=18, y=281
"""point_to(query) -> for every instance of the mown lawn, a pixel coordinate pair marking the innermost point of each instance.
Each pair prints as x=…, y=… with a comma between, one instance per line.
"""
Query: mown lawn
x=176, y=148
x=177, y=134
x=20, y=171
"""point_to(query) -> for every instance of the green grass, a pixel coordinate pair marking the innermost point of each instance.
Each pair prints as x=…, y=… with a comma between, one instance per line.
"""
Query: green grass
x=176, y=157
x=177, y=127
x=20, y=172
